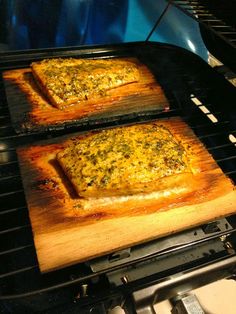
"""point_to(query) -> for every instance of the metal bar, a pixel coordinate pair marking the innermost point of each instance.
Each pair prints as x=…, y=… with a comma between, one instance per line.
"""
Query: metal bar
x=9, y=163
x=210, y=20
x=20, y=248
x=18, y=271
x=228, y=173
x=11, y=193
x=193, y=7
x=215, y=134
x=7, y=125
x=220, y=146
x=228, y=32
x=221, y=26
x=205, y=14
x=4, y=116
x=10, y=177
x=8, y=149
x=14, y=229
x=8, y=211
x=183, y=283
x=226, y=158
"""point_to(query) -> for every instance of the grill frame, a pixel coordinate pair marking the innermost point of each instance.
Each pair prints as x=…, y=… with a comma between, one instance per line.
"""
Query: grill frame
x=201, y=12
x=216, y=25
x=147, y=52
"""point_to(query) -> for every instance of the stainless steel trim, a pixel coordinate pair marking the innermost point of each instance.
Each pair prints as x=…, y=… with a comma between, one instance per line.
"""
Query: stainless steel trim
x=182, y=283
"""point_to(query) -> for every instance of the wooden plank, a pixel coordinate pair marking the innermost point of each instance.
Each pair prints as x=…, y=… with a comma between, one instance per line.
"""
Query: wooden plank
x=68, y=229
x=31, y=111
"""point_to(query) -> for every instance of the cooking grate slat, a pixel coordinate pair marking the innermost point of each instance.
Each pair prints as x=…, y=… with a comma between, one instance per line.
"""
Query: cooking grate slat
x=12, y=210
x=10, y=202
x=8, y=128
x=10, y=251
x=18, y=271
x=226, y=158
x=14, y=229
x=10, y=182
x=216, y=134
x=13, y=219
x=11, y=193
x=223, y=146
x=16, y=238
x=13, y=177
x=8, y=167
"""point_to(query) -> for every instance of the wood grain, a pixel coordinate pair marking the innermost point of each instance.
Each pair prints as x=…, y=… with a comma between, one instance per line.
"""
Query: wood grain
x=68, y=229
x=31, y=111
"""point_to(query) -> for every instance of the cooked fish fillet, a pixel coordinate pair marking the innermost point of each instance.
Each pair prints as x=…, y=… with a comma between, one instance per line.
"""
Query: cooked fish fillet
x=123, y=161
x=68, y=81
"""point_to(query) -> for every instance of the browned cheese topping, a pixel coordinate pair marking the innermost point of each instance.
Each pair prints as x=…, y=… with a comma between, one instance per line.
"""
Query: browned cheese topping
x=72, y=80
x=122, y=161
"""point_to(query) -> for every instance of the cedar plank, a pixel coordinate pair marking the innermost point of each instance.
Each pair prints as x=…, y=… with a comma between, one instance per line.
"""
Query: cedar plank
x=67, y=230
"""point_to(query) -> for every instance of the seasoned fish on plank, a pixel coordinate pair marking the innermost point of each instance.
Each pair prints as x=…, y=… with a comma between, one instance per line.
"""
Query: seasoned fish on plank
x=69, y=81
x=123, y=161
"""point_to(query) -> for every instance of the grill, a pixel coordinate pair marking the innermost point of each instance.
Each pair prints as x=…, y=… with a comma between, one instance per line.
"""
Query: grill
x=216, y=16
x=205, y=100
x=217, y=25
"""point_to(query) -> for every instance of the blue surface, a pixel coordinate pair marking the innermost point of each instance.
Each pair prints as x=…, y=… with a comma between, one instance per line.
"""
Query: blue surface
x=29, y=24
x=175, y=28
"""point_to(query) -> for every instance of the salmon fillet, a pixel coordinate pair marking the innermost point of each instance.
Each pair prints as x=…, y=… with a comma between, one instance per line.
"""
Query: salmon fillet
x=123, y=161
x=69, y=81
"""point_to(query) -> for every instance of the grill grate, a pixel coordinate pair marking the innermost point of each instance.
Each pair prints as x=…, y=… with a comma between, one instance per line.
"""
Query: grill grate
x=212, y=15
x=186, y=80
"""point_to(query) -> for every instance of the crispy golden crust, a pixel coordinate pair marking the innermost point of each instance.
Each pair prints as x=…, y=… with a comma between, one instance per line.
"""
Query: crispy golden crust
x=123, y=161
x=68, y=81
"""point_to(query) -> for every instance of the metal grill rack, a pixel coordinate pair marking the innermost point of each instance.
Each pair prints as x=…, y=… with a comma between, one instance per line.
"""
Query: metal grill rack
x=200, y=10
x=195, y=92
